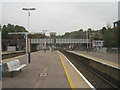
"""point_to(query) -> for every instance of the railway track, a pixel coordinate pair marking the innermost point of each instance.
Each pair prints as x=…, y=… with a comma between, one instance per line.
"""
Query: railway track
x=10, y=55
x=96, y=78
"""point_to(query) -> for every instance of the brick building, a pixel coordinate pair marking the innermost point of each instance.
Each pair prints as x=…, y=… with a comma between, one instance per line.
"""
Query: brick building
x=18, y=41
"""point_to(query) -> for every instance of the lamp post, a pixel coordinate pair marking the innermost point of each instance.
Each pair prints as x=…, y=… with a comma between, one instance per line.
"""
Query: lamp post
x=28, y=9
x=87, y=39
x=0, y=55
x=0, y=44
x=44, y=31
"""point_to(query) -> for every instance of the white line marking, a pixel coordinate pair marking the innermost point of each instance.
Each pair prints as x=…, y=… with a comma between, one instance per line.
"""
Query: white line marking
x=79, y=73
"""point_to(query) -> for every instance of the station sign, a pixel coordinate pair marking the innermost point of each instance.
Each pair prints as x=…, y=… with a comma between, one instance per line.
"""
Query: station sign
x=97, y=43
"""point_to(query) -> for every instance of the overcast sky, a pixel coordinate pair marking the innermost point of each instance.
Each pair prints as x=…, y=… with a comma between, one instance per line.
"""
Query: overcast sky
x=60, y=17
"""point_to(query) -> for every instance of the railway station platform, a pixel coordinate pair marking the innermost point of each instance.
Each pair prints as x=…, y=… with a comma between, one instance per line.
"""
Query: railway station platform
x=8, y=52
x=46, y=70
x=0, y=84
x=110, y=59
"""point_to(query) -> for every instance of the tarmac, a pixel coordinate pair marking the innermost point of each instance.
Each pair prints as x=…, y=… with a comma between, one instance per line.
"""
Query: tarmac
x=107, y=58
x=46, y=70
x=0, y=84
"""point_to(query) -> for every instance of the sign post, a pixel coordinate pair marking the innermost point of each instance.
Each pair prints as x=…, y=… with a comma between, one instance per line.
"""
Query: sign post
x=0, y=55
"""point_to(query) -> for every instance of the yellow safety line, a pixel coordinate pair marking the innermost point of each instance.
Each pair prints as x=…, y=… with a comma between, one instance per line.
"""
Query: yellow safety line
x=16, y=57
x=70, y=82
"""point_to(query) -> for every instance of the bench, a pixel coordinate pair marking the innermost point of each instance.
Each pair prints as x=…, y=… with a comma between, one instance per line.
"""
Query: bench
x=14, y=65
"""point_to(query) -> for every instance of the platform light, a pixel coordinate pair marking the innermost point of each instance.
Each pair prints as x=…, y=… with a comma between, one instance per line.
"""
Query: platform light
x=28, y=9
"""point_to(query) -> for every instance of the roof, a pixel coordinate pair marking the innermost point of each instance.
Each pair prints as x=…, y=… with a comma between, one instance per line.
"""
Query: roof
x=117, y=21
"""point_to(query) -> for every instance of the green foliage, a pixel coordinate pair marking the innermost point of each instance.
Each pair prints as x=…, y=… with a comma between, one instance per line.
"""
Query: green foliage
x=110, y=37
x=74, y=34
x=103, y=30
x=89, y=30
x=11, y=28
x=108, y=34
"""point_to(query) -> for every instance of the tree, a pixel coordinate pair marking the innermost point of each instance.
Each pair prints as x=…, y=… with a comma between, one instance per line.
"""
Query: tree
x=103, y=30
x=89, y=30
x=4, y=32
x=11, y=28
x=110, y=38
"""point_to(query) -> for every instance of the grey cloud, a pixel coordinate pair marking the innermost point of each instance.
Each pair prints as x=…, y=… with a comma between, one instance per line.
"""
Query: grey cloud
x=61, y=16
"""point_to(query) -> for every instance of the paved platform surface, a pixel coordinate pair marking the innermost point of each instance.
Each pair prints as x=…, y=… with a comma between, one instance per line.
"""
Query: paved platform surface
x=30, y=76
x=74, y=78
x=0, y=84
x=53, y=64
x=108, y=58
